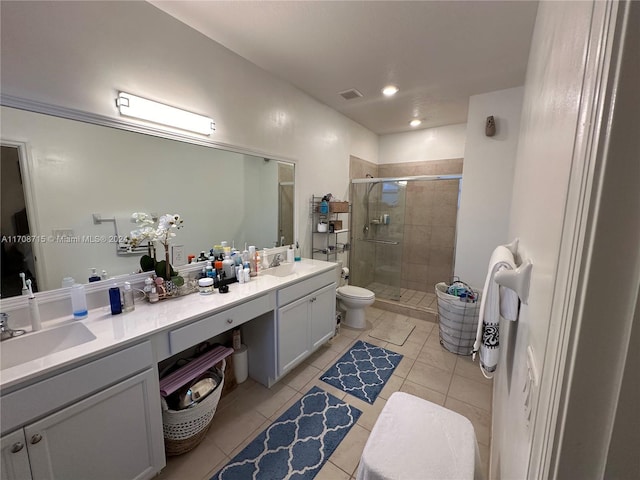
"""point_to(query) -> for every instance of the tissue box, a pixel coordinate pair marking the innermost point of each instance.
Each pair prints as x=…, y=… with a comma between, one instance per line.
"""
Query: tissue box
x=339, y=207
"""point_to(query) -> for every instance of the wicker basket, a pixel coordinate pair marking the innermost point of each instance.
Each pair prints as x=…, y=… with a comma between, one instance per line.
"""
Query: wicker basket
x=185, y=429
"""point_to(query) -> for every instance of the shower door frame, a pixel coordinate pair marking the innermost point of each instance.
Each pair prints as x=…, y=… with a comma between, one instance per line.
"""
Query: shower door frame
x=411, y=178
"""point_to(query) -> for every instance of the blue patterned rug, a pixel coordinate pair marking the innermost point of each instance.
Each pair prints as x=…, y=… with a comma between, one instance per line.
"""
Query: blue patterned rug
x=298, y=443
x=363, y=370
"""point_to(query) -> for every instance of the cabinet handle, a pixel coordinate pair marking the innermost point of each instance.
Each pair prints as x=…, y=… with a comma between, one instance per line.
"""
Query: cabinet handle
x=229, y=320
x=35, y=438
x=313, y=299
x=16, y=447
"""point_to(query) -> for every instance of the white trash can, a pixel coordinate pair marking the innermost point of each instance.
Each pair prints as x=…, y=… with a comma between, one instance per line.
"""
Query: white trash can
x=241, y=364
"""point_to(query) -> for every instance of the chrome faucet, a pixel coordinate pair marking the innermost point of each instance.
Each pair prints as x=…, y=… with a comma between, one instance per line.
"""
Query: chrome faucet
x=5, y=330
x=275, y=261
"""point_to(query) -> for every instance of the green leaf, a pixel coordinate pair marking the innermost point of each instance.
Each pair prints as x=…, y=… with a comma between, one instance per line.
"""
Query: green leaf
x=147, y=263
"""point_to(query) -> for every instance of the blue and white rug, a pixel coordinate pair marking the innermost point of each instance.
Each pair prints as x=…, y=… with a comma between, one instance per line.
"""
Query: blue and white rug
x=363, y=370
x=298, y=443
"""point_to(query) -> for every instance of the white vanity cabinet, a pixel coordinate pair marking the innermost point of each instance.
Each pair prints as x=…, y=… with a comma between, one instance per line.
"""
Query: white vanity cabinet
x=305, y=320
x=113, y=433
x=14, y=462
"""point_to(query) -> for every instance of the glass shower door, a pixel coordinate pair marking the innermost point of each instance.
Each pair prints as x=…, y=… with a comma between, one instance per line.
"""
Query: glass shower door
x=378, y=233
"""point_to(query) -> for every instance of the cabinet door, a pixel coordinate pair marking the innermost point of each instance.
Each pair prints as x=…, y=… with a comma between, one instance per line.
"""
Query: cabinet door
x=14, y=464
x=116, y=433
x=323, y=315
x=293, y=334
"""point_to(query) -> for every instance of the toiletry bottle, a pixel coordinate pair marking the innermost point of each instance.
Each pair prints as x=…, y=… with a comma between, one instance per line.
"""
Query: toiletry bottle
x=68, y=282
x=115, y=300
x=247, y=273
x=202, y=257
x=103, y=275
x=79, y=302
x=209, y=272
x=237, y=341
x=148, y=285
x=324, y=206
x=239, y=273
x=256, y=264
x=290, y=254
x=298, y=255
x=94, y=277
x=128, y=304
x=153, y=295
x=229, y=267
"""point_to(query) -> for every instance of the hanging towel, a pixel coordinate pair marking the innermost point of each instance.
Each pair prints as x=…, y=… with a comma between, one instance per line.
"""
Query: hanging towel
x=497, y=301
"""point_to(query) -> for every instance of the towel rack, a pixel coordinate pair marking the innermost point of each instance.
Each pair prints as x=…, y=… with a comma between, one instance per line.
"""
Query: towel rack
x=519, y=279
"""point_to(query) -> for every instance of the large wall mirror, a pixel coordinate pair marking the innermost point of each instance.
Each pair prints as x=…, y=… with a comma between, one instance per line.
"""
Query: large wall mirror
x=71, y=171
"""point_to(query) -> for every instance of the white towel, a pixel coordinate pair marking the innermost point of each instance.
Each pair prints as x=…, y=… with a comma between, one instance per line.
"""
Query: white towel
x=495, y=302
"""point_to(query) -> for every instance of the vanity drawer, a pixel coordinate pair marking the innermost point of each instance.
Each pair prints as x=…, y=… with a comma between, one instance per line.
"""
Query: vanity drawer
x=305, y=287
x=185, y=337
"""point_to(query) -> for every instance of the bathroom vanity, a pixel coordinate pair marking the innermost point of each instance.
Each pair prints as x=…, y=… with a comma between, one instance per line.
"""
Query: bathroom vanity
x=92, y=409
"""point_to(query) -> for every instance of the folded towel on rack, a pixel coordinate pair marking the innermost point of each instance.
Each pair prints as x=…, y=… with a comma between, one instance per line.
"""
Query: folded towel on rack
x=497, y=301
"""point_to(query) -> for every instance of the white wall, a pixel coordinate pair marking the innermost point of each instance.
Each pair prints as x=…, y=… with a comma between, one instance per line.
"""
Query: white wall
x=483, y=217
x=439, y=143
x=79, y=54
x=577, y=329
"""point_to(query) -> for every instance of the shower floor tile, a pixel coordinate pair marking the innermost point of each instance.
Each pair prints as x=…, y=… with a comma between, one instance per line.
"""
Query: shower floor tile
x=413, y=303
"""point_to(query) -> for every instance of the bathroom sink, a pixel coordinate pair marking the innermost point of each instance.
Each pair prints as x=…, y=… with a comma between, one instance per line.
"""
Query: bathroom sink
x=285, y=269
x=30, y=346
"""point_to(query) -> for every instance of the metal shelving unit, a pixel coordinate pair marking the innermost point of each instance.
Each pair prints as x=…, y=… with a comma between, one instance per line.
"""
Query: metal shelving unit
x=326, y=245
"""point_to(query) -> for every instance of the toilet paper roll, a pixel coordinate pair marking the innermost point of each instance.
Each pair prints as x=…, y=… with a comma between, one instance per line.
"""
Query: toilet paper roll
x=345, y=272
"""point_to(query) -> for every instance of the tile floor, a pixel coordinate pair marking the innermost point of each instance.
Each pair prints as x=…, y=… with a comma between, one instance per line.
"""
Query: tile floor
x=427, y=370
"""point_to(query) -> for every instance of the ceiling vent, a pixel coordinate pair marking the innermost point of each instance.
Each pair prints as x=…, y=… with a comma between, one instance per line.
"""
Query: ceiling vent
x=350, y=94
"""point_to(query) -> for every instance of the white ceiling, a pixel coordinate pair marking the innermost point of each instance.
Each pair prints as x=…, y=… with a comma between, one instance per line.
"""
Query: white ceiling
x=438, y=53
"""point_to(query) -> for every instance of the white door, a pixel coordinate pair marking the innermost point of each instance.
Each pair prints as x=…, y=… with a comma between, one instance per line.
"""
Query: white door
x=106, y=436
x=14, y=464
x=323, y=315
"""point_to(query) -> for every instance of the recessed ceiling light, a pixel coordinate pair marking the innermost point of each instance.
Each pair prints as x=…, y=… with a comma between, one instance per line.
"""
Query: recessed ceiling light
x=415, y=122
x=390, y=90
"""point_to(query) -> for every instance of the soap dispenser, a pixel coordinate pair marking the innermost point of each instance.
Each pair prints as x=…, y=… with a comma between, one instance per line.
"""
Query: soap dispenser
x=94, y=277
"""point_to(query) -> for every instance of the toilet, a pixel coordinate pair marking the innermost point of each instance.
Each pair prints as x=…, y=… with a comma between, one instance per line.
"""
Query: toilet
x=353, y=300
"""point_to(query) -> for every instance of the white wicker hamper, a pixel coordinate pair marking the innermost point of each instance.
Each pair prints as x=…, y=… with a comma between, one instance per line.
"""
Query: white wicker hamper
x=185, y=429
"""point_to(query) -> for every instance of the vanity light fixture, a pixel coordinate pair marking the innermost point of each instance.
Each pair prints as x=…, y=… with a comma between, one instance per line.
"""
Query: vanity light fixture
x=415, y=122
x=138, y=107
x=390, y=90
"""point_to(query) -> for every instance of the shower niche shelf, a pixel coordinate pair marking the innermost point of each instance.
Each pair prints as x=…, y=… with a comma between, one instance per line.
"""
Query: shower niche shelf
x=325, y=245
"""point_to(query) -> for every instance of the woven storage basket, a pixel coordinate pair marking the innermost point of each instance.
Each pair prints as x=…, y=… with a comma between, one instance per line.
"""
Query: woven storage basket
x=458, y=321
x=185, y=429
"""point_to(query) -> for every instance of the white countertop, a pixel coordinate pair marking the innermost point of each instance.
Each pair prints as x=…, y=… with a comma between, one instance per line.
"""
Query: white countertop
x=115, y=331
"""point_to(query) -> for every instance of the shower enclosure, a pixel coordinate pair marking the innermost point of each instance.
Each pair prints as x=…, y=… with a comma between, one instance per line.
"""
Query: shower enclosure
x=403, y=233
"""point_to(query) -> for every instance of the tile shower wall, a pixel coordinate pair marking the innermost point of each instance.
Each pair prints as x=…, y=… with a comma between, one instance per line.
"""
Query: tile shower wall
x=430, y=220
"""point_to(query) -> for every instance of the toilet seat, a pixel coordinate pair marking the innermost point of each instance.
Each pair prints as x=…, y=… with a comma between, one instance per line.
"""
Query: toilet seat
x=350, y=291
